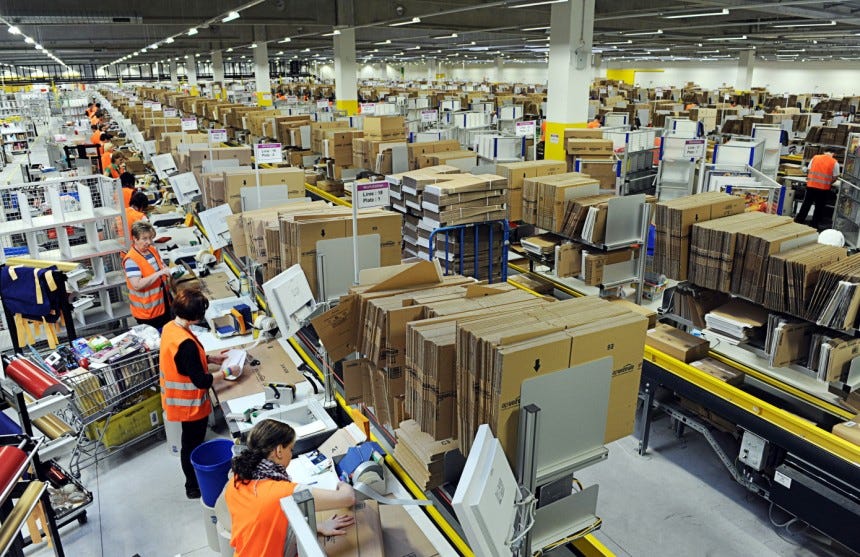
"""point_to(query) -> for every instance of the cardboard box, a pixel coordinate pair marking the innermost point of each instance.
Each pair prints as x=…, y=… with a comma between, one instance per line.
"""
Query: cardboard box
x=719, y=370
x=383, y=126
x=850, y=430
x=677, y=344
x=363, y=538
x=236, y=179
x=587, y=147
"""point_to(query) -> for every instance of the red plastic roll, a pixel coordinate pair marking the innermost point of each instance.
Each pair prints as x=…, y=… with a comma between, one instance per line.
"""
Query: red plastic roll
x=33, y=379
x=11, y=459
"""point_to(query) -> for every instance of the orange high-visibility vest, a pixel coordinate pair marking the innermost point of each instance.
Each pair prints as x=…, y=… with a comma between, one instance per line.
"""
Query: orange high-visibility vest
x=593, y=124
x=126, y=196
x=149, y=303
x=112, y=171
x=181, y=400
x=259, y=526
x=106, y=159
x=820, y=174
x=96, y=138
x=132, y=216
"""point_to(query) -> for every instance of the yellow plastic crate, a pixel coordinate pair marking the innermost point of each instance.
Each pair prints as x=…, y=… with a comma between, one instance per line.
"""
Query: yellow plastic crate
x=132, y=422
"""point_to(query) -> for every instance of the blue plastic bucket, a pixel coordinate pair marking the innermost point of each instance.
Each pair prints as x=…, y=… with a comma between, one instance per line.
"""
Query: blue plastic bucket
x=211, y=462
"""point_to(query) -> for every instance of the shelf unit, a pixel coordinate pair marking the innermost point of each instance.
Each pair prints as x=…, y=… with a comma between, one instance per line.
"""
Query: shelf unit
x=846, y=214
x=79, y=220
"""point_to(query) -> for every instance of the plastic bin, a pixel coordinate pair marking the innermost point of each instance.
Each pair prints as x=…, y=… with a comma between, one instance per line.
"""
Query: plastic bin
x=211, y=462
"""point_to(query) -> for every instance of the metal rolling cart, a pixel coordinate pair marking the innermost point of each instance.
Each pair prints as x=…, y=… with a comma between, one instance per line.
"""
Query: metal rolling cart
x=455, y=243
x=114, y=405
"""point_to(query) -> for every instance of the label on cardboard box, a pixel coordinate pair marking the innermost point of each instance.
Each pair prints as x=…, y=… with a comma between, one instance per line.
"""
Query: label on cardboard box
x=189, y=124
x=170, y=113
x=156, y=107
x=368, y=108
x=429, y=116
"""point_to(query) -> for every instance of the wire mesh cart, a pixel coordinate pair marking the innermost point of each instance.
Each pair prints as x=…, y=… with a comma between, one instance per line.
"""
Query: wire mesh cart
x=114, y=405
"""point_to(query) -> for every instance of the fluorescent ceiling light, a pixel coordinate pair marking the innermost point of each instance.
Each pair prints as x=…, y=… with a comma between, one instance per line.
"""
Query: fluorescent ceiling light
x=388, y=41
x=169, y=40
x=637, y=33
x=707, y=52
x=787, y=51
x=230, y=49
x=536, y=28
x=628, y=41
x=791, y=25
x=407, y=22
x=29, y=40
x=285, y=40
x=724, y=11
x=154, y=46
x=451, y=36
x=230, y=17
x=536, y=40
x=14, y=30
x=39, y=47
x=741, y=38
x=530, y=4
x=414, y=48
x=254, y=45
x=192, y=32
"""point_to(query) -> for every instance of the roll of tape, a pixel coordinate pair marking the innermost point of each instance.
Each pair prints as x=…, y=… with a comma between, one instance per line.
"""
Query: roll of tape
x=33, y=379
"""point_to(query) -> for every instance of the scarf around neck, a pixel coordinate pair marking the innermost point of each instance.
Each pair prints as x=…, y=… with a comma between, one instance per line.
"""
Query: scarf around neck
x=268, y=470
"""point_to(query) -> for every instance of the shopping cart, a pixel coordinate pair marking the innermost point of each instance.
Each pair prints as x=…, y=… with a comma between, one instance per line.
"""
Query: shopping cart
x=115, y=404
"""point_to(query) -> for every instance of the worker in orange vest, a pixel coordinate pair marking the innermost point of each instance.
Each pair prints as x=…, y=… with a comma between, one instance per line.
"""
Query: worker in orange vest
x=146, y=278
x=596, y=123
x=95, y=138
x=116, y=167
x=260, y=480
x=185, y=378
x=136, y=209
x=821, y=175
x=108, y=150
x=91, y=108
x=128, y=181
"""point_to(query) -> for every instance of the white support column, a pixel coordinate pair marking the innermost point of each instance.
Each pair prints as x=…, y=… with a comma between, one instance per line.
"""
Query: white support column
x=261, y=74
x=432, y=66
x=345, y=72
x=217, y=74
x=174, y=72
x=570, y=71
x=191, y=74
x=746, y=64
x=500, y=65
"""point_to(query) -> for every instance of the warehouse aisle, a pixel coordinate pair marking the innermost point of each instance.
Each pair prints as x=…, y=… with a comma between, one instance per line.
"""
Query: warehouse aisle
x=677, y=500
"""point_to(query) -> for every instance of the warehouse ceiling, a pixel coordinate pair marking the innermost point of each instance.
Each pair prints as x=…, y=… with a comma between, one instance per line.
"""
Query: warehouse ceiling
x=137, y=31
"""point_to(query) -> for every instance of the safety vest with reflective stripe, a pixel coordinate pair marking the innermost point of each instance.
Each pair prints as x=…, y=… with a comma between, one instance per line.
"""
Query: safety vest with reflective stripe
x=820, y=175
x=148, y=303
x=181, y=400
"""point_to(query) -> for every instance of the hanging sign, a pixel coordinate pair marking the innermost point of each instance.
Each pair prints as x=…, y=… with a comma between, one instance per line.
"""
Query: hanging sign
x=268, y=153
x=189, y=124
x=526, y=129
x=217, y=136
x=429, y=116
x=372, y=194
x=368, y=108
x=694, y=148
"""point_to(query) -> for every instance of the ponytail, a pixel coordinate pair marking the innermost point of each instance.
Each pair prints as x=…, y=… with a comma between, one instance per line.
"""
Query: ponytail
x=263, y=438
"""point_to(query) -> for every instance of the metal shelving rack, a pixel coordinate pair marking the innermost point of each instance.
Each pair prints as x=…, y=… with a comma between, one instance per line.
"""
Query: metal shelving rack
x=846, y=214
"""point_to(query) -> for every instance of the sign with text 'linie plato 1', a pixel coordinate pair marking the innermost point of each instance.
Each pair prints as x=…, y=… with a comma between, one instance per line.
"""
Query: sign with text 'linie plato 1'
x=268, y=153
x=429, y=116
x=526, y=129
x=189, y=124
x=217, y=136
x=371, y=194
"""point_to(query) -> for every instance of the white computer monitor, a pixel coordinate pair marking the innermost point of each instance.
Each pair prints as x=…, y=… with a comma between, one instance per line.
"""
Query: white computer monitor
x=290, y=299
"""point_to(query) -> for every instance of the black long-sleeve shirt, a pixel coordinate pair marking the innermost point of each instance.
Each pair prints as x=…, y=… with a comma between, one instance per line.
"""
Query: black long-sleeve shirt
x=188, y=363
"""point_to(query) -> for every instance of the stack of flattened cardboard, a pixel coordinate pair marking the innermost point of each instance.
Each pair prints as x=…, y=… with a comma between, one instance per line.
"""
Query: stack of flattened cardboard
x=713, y=244
x=544, y=197
x=516, y=172
x=836, y=297
x=415, y=150
x=674, y=222
x=464, y=199
x=430, y=351
x=422, y=456
x=792, y=276
x=495, y=355
x=580, y=210
x=755, y=247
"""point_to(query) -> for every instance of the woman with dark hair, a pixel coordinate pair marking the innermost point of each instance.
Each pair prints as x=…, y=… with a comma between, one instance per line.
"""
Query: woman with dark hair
x=260, y=481
x=185, y=378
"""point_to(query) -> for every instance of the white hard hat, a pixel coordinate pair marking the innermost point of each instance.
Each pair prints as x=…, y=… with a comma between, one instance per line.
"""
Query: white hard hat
x=831, y=237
